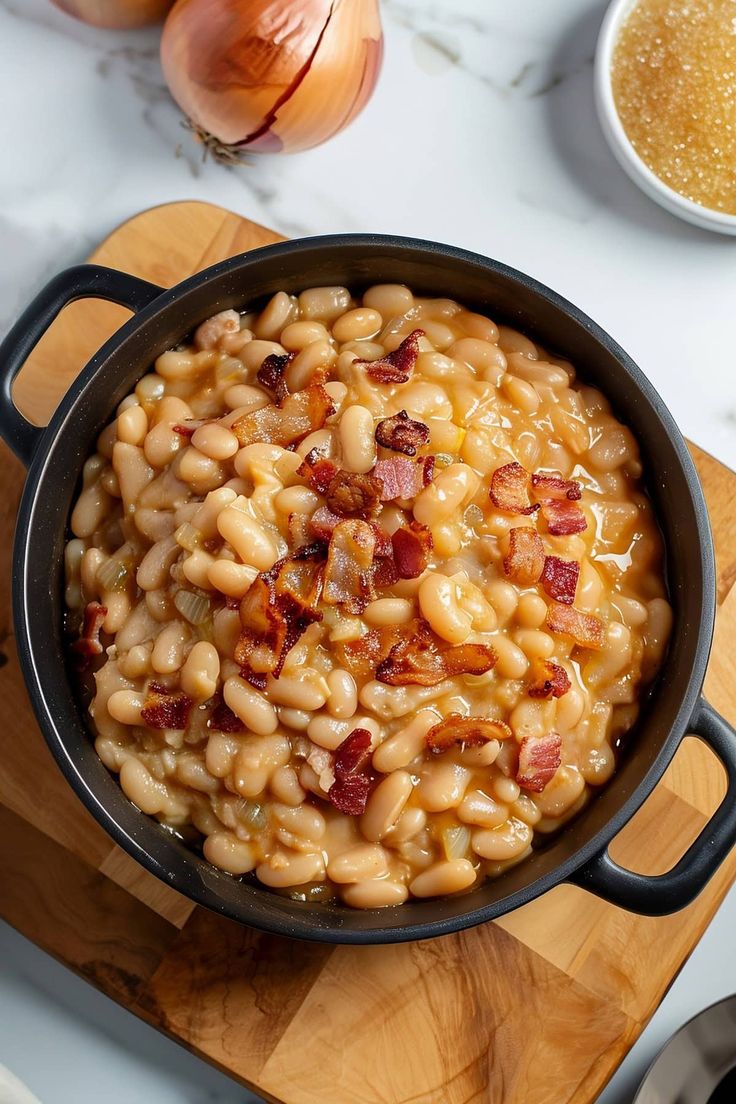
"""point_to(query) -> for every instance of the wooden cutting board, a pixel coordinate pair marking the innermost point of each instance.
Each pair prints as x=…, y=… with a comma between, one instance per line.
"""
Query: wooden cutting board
x=539, y=1007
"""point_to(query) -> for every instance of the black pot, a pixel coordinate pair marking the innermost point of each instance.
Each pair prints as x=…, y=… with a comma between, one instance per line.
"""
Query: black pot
x=55, y=456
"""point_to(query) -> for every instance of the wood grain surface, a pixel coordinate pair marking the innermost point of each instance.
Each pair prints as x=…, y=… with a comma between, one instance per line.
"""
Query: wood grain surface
x=539, y=1007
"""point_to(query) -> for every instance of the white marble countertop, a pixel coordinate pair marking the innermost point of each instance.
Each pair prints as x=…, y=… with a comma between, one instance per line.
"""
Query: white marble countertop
x=481, y=133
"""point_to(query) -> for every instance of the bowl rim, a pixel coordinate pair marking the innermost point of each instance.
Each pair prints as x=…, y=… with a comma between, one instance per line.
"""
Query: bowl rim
x=620, y=144
x=29, y=634
x=649, y=1080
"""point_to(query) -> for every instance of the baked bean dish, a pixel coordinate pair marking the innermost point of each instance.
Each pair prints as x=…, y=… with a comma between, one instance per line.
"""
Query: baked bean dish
x=366, y=590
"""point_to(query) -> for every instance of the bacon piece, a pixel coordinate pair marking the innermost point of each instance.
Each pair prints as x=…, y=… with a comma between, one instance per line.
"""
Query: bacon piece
x=548, y=680
x=353, y=755
x=259, y=681
x=411, y=547
x=222, y=719
x=278, y=607
x=510, y=489
x=385, y=573
x=465, y=731
x=89, y=644
x=420, y=658
x=395, y=367
x=539, y=761
x=349, y=792
x=166, y=710
x=559, y=579
x=524, y=562
x=563, y=517
x=469, y=659
x=348, y=575
x=299, y=415
x=362, y=656
x=550, y=488
x=350, y=795
x=402, y=478
x=383, y=541
x=352, y=494
x=586, y=629
x=402, y=434
x=271, y=375
x=317, y=470
x=322, y=523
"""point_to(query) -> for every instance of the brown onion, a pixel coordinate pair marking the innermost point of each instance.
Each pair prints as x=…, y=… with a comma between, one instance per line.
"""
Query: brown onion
x=116, y=14
x=269, y=76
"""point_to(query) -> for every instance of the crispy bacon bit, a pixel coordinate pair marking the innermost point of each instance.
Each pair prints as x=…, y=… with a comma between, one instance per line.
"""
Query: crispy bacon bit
x=351, y=494
x=550, y=488
x=465, y=731
x=403, y=478
x=563, y=518
x=322, y=523
x=166, y=710
x=411, y=546
x=548, y=680
x=348, y=575
x=385, y=573
x=89, y=644
x=222, y=719
x=420, y=658
x=271, y=375
x=362, y=656
x=585, y=628
x=559, y=579
x=525, y=560
x=278, y=607
x=395, y=367
x=353, y=755
x=259, y=681
x=299, y=415
x=383, y=541
x=350, y=795
x=510, y=489
x=539, y=761
x=402, y=434
x=349, y=792
x=317, y=470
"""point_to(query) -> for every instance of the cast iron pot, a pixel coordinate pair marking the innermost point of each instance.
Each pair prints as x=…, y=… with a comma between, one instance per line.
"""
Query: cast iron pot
x=55, y=456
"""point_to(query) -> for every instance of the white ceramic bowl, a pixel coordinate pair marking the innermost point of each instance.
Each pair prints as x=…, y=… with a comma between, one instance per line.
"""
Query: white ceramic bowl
x=620, y=144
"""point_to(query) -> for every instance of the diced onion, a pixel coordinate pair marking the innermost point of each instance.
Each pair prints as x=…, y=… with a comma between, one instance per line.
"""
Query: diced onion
x=456, y=842
x=188, y=536
x=112, y=575
x=194, y=608
x=251, y=815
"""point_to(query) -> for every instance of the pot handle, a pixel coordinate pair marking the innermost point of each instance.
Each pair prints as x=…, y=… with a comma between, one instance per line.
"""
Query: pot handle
x=666, y=893
x=80, y=282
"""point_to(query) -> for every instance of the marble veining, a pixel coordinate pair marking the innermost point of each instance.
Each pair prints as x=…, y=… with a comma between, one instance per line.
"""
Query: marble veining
x=482, y=133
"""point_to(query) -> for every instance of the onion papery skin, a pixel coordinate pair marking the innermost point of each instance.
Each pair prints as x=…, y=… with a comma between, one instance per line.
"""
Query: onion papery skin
x=269, y=76
x=116, y=14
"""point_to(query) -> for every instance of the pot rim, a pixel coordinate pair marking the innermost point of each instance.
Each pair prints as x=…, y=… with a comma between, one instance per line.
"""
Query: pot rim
x=192, y=885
